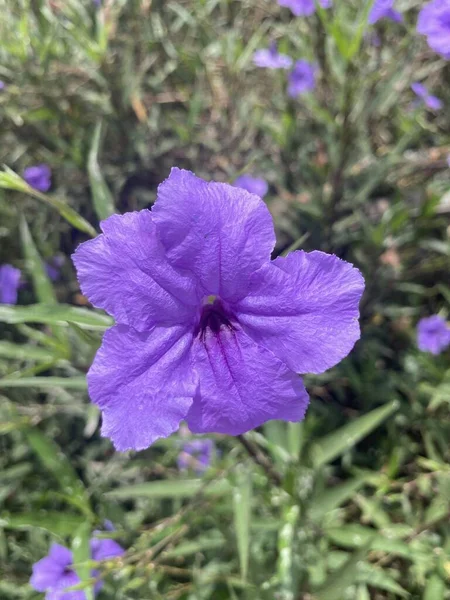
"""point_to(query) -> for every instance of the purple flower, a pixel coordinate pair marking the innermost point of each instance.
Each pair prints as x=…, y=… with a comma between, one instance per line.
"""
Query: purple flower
x=54, y=573
x=302, y=78
x=9, y=284
x=38, y=177
x=429, y=100
x=271, y=59
x=209, y=329
x=383, y=9
x=433, y=334
x=254, y=185
x=2, y=85
x=53, y=267
x=197, y=455
x=304, y=7
x=434, y=23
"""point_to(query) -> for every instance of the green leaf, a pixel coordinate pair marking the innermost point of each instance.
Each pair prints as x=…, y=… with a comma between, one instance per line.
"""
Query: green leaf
x=339, y=581
x=69, y=383
x=101, y=196
x=57, y=463
x=81, y=557
x=26, y=352
x=58, y=523
x=326, y=449
x=434, y=588
x=379, y=579
x=353, y=535
x=62, y=314
x=11, y=181
x=242, y=509
x=331, y=498
x=185, y=488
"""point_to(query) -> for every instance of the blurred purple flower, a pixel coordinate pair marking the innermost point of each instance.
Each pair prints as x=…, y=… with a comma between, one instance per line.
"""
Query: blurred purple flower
x=53, y=267
x=38, y=177
x=304, y=8
x=9, y=284
x=254, y=185
x=2, y=85
x=271, y=59
x=302, y=78
x=209, y=329
x=54, y=573
x=196, y=455
x=431, y=101
x=433, y=334
x=383, y=9
x=434, y=23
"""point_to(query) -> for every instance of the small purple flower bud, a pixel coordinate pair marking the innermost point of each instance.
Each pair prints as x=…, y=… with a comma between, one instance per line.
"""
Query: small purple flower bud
x=302, y=79
x=9, y=284
x=38, y=177
x=433, y=334
x=254, y=185
x=271, y=59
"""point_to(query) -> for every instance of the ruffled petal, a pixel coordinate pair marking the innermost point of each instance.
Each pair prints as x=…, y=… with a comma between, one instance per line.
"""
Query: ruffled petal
x=219, y=232
x=125, y=272
x=242, y=385
x=49, y=570
x=143, y=383
x=304, y=308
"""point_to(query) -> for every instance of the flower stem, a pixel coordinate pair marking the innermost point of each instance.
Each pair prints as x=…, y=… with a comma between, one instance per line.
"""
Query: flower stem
x=261, y=459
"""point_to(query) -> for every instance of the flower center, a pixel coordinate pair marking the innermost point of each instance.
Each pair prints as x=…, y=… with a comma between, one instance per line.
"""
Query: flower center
x=213, y=318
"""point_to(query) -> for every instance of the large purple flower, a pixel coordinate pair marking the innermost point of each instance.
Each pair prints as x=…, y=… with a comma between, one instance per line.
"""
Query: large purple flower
x=384, y=9
x=302, y=78
x=270, y=58
x=209, y=329
x=433, y=334
x=304, y=7
x=434, y=23
x=9, y=284
x=254, y=185
x=38, y=177
x=431, y=101
x=54, y=573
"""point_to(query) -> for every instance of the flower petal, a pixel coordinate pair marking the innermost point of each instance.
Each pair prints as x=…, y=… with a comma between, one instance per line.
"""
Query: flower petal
x=59, y=591
x=125, y=272
x=304, y=308
x=143, y=383
x=242, y=385
x=48, y=570
x=105, y=548
x=219, y=232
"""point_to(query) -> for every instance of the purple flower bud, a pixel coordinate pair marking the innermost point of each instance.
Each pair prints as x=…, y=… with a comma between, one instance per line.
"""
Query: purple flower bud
x=271, y=59
x=383, y=9
x=196, y=455
x=431, y=101
x=304, y=8
x=2, y=85
x=433, y=334
x=254, y=185
x=302, y=78
x=9, y=284
x=434, y=23
x=38, y=177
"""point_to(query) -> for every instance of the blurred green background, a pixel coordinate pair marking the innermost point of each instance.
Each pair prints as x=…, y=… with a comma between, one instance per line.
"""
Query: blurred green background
x=110, y=98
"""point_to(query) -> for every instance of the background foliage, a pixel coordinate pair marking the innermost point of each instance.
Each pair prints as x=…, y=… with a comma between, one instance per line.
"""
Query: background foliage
x=111, y=98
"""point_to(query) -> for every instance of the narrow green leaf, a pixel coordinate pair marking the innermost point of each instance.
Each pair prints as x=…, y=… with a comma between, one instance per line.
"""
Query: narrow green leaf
x=379, y=579
x=62, y=524
x=69, y=383
x=35, y=267
x=11, y=181
x=326, y=449
x=61, y=314
x=332, y=498
x=82, y=556
x=26, y=352
x=171, y=489
x=57, y=463
x=347, y=575
x=242, y=509
x=353, y=535
x=101, y=196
